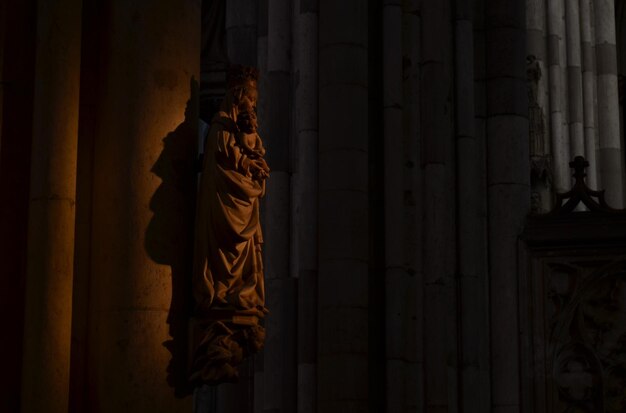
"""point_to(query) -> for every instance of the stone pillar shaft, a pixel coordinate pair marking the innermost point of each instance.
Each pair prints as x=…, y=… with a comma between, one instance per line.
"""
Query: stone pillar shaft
x=412, y=205
x=48, y=317
x=305, y=196
x=480, y=347
x=2, y=36
x=144, y=173
x=610, y=157
x=241, y=31
x=280, y=375
x=342, y=377
x=559, y=139
x=574, y=78
x=508, y=184
x=589, y=78
x=396, y=277
x=439, y=207
x=471, y=243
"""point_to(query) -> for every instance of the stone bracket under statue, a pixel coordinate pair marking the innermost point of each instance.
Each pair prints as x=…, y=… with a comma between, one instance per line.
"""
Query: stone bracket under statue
x=220, y=341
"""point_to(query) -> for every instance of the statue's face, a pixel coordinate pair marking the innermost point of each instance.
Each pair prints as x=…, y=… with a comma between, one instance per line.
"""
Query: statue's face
x=251, y=95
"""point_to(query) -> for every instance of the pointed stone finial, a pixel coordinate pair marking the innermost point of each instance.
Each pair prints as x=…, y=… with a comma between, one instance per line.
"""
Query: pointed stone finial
x=579, y=165
x=580, y=193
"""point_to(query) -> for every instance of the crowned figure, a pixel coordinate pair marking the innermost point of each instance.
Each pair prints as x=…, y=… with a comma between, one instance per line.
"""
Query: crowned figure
x=228, y=284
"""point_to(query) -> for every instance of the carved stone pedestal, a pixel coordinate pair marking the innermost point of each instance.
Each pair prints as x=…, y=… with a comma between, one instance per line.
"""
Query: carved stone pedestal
x=220, y=342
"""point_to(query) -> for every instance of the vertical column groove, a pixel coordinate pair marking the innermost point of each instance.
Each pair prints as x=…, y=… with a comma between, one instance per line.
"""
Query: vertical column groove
x=589, y=75
x=412, y=206
x=610, y=157
x=508, y=184
x=48, y=316
x=396, y=277
x=439, y=207
x=574, y=78
x=343, y=330
x=304, y=196
x=280, y=357
x=559, y=139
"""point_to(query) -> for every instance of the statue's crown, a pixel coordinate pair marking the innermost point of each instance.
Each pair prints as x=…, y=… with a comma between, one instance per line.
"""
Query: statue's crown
x=239, y=75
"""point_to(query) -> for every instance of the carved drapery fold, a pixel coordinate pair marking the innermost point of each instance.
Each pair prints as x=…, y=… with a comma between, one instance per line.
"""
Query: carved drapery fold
x=228, y=282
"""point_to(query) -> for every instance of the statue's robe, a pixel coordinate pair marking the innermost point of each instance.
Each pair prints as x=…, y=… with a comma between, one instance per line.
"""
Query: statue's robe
x=228, y=269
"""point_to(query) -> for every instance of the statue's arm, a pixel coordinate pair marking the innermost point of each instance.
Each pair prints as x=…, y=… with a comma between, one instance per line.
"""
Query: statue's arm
x=229, y=154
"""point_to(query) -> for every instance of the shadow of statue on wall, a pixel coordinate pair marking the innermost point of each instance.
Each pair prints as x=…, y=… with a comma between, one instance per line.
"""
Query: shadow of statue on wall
x=170, y=233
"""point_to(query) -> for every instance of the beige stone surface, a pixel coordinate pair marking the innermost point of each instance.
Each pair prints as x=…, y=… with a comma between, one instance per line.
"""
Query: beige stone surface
x=48, y=313
x=142, y=197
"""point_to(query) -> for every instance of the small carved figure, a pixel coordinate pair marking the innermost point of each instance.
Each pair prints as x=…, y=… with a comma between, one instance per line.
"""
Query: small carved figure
x=249, y=140
x=539, y=155
x=228, y=283
x=536, y=119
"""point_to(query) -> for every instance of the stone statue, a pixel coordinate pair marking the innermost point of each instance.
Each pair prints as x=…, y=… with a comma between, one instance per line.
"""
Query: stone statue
x=540, y=159
x=228, y=283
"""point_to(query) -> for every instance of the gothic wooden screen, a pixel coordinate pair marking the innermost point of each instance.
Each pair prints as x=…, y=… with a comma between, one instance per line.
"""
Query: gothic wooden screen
x=573, y=306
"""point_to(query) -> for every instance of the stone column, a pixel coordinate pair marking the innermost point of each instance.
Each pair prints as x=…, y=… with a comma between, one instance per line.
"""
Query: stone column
x=305, y=196
x=595, y=94
x=2, y=36
x=472, y=266
x=89, y=85
x=241, y=31
x=574, y=78
x=342, y=378
x=480, y=347
x=438, y=200
x=276, y=129
x=560, y=142
x=589, y=87
x=564, y=91
x=396, y=277
x=144, y=157
x=508, y=190
x=412, y=206
x=48, y=316
x=263, y=111
x=610, y=157
x=18, y=73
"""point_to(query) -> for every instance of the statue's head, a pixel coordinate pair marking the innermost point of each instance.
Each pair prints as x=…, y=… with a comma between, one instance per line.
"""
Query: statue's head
x=242, y=86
